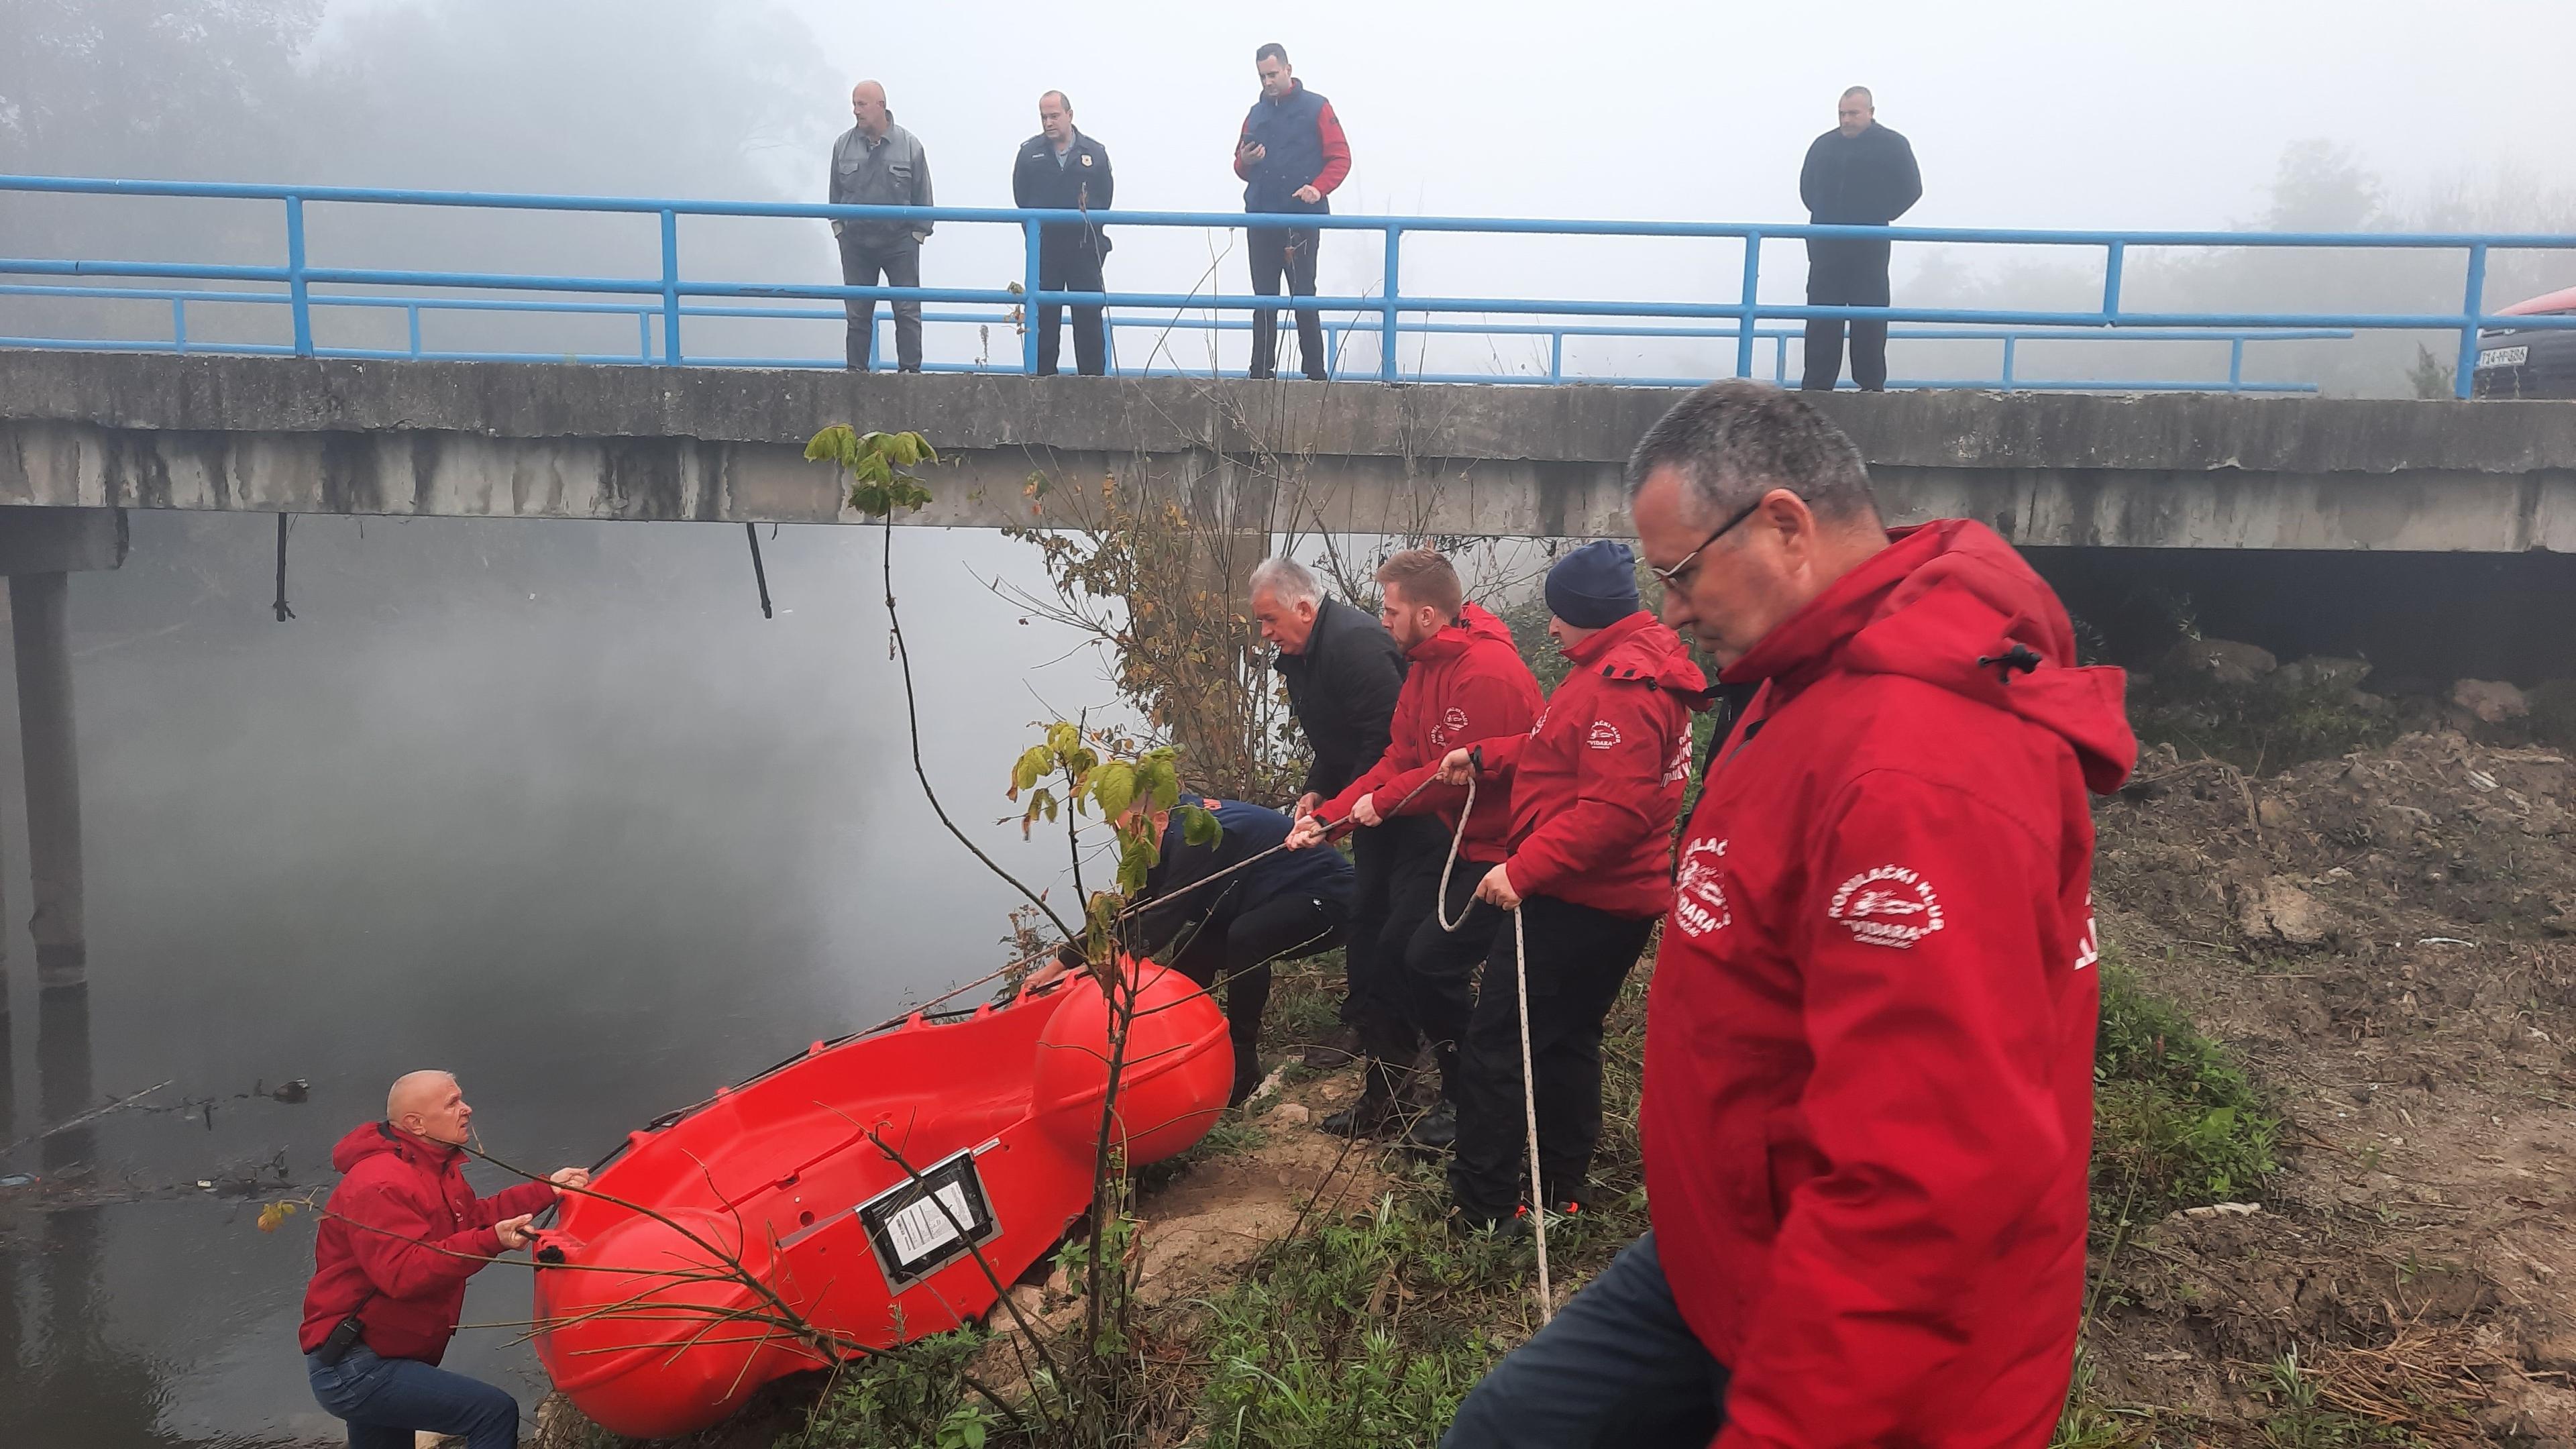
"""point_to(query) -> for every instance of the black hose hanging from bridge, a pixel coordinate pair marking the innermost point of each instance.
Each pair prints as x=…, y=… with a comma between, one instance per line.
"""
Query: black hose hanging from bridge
x=283, y=613
x=759, y=574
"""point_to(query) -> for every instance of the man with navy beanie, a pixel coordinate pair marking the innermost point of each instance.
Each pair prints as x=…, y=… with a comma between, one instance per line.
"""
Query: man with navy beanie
x=1595, y=788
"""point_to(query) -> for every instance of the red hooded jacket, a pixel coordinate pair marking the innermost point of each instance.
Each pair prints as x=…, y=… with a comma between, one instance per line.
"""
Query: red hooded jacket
x=1597, y=781
x=1869, y=1043
x=399, y=1237
x=1466, y=684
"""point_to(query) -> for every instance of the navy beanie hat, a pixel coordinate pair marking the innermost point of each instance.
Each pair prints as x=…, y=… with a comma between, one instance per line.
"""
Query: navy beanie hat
x=1595, y=586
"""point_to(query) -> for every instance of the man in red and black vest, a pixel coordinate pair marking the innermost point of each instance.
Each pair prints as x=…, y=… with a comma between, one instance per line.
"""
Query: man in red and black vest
x=1595, y=787
x=399, y=1237
x=1868, y=1099
x=1464, y=684
x=1291, y=154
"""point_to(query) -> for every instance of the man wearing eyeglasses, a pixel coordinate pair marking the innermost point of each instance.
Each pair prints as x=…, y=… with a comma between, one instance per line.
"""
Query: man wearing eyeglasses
x=1869, y=1043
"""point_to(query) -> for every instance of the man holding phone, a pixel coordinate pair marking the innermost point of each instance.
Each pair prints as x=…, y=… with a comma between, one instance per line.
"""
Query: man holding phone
x=1290, y=154
x=399, y=1237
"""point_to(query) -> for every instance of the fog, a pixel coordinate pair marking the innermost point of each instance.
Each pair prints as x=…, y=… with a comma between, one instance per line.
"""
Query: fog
x=552, y=805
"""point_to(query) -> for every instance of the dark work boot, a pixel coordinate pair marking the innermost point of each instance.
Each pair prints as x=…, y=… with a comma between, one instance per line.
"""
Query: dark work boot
x=1376, y=1112
x=1435, y=1130
x=1247, y=1072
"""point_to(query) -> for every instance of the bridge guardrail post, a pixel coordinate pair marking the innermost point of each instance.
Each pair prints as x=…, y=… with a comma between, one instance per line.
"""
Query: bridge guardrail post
x=2236, y=363
x=179, y=324
x=2464, y=378
x=413, y=320
x=298, y=295
x=1556, y=355
x=1386, y=333
x=670, y=287
x=2111, y=268
x=2009, y=340
x=1746, y=314
x=1029, y=301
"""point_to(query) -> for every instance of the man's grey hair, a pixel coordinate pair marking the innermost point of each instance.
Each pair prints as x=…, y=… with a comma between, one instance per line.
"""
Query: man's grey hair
x=1860, y=91
x=1061, y=99
x=1292, y=581
x=1733, y=441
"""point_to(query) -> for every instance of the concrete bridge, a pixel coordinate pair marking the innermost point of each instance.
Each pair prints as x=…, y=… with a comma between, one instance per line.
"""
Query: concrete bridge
x=95, y=430
x=87, y=435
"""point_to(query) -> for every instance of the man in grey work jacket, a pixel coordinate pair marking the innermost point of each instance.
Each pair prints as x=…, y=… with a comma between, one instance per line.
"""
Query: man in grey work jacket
x=878, y=163
x=1061, y=169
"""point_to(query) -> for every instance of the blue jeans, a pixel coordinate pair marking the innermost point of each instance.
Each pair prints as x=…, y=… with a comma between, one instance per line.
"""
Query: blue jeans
x=384, y=1400
x=1617, y=1367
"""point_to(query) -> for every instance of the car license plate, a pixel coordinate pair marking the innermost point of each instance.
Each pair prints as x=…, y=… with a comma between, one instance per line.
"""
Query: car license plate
x=2503, y=357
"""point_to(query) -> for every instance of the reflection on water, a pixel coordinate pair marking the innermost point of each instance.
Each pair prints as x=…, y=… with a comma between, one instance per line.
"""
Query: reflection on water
x=547, y=805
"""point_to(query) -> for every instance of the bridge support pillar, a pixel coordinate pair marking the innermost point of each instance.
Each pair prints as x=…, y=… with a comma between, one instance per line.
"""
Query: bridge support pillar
x=39, y=550
x=41, y=630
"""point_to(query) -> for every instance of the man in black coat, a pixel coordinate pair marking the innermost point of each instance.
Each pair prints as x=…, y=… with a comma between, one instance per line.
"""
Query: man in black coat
x=1858, y=174
x=1343, y=672
x=1061, y=169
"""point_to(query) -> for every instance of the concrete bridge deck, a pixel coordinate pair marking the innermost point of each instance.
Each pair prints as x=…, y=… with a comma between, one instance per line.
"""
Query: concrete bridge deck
x=461, y=439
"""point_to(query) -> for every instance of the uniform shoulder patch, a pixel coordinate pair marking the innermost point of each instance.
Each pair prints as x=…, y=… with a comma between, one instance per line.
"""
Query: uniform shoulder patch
x=1888, y=905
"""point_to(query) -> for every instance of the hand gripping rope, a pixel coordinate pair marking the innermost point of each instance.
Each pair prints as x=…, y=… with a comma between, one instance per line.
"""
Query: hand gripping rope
x=1529, y=1080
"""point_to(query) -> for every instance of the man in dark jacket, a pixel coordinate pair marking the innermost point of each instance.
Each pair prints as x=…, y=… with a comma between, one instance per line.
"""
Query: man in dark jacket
x=1858, y=174
x=1284, y=906
x=1291, y=153
x=878, y=163
x=399, y=1237
x=1868, y=1095
x=1061, y=169
x=1343, y=672
x=1595, y=788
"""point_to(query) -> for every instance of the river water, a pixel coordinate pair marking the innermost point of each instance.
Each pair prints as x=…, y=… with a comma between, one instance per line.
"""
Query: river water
x=549, y=805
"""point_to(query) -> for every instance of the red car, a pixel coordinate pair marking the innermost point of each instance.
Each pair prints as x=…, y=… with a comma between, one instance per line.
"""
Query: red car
x=2533, y=361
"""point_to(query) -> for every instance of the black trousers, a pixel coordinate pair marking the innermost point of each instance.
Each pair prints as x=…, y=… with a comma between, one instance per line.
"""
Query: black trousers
x=1438, y=982
x=1394, y=869
x=1236, y=944
x=1073, y=267
x=1285, y=251
x=1578, y=958
x=1846, y=274
x=1618, y=1369
x=900, y=265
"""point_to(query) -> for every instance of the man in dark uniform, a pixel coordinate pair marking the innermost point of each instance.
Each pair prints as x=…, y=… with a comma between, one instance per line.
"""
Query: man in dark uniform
x=1858, y=174
x=1061, y=169
x=1343, y=672
x=1291, y=154
x=1226, y=932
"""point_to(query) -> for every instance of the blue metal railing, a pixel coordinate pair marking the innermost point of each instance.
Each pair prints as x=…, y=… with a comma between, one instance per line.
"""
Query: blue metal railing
x=669, y=290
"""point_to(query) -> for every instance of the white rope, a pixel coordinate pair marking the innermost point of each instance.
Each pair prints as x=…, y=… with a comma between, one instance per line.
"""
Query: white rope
x=1529, y=1079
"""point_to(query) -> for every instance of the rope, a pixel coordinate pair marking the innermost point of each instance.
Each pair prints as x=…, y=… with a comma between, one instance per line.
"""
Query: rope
x=283, y=613
x=1529, y=1078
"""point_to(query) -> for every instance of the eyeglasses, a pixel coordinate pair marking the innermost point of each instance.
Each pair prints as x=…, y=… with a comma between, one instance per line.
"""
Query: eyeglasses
x=1672, y=577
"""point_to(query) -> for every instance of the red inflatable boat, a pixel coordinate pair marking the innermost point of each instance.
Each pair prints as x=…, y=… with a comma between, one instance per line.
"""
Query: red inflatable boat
x=850, y=1183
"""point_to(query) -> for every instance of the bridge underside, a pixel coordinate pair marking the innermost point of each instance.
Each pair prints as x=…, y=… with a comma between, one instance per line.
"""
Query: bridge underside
x=636, y=443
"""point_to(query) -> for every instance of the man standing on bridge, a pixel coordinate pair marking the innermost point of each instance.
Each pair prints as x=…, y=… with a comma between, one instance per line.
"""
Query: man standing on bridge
x=1868, y=1101
x=1858, y=174
x=1061, y=169
x=878, y=163
x=1290, y=154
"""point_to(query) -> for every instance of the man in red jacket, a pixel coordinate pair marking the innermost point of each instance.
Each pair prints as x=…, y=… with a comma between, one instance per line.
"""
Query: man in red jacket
x=1869, y=1046
x=1595, y=787
x=1465, y=684
x=399, y=1237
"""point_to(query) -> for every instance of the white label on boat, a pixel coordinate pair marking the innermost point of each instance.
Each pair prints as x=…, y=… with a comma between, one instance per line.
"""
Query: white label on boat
x=922, y=1228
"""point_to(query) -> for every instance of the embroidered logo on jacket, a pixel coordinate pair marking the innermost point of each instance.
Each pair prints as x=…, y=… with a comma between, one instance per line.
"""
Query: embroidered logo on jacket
x=1891, y=905
x=1453, y=723
x=2088, y=947
x=1699, y=890
x=1677, y=770
x=1604, y=736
